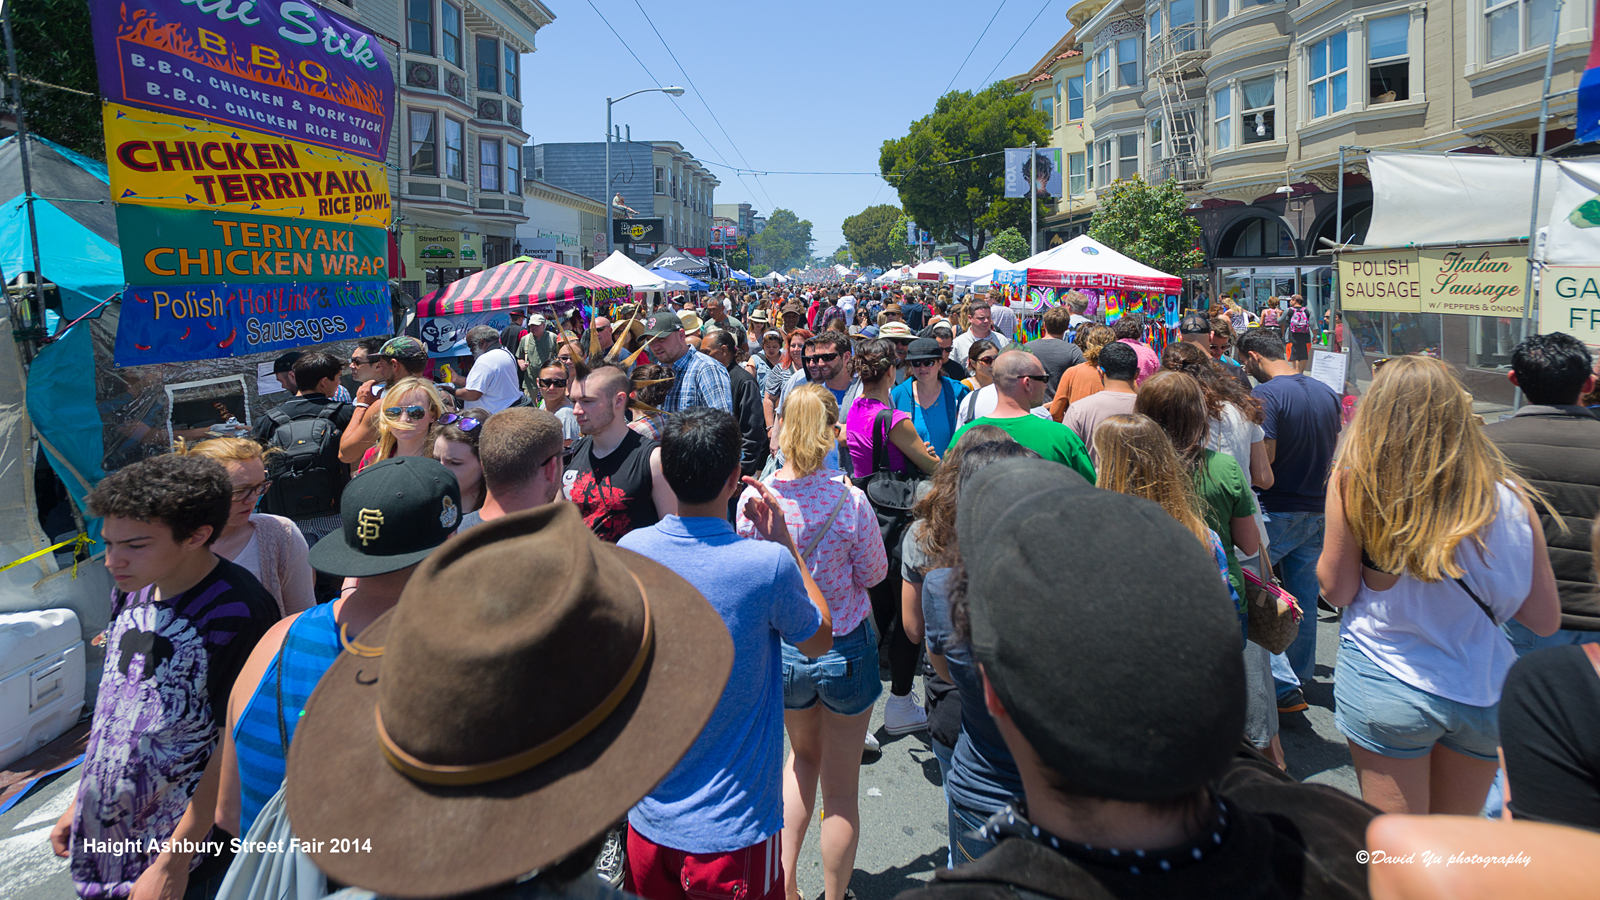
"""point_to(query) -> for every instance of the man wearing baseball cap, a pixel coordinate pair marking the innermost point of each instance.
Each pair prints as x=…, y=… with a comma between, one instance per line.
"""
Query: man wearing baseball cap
x=1196, y=328
x=1123, y=710
x=500, y=731
x=405, y=356
x=537, y=349
x=697, y=379
x=394, y=513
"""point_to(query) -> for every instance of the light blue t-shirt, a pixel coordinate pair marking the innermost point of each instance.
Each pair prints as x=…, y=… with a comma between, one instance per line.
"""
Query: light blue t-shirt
x=726, y=793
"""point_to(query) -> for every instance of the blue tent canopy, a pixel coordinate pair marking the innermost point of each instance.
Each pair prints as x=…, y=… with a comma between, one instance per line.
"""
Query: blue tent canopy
x=681, y=282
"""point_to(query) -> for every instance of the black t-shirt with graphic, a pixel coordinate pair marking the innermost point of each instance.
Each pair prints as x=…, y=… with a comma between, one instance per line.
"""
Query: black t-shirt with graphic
x=612, y=492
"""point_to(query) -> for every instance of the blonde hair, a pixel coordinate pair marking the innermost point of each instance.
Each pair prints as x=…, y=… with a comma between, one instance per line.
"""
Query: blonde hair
x=809, y=417
x=221, y=449
x=1136, y=457
x=388, y=439
x=1418, y=475
x=1095, y=339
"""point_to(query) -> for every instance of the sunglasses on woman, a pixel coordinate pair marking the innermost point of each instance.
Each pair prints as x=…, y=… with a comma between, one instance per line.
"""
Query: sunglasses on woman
x=986, y=360
x=414, y=413
x=553, y=382
x=465, y=423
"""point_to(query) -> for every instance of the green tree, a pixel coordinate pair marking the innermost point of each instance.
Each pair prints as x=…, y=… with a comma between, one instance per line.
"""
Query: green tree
x=877, y=236
x=1150, y=223
x=785, y=242
x=841, y=256
x=1010, y=244
x=964, y=200
x=54, y=44
x=739, y=257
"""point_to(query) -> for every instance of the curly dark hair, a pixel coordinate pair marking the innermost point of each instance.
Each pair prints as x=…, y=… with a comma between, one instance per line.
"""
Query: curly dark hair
x=183, y=493
x=874, y=359
x=1220, y=388
x=1130, y=327
x=652, y=394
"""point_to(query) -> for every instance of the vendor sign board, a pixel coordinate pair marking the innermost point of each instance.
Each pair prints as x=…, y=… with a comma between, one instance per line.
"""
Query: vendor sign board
x=1569, y=301
x=281, y=67
x=1380, y=281
x=166, y=247
x=439, y=248
x=162, y=160
x=208, y=321
x=1474, y=281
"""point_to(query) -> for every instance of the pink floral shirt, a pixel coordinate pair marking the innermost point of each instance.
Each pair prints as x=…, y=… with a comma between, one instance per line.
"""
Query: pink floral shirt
x=849, y=558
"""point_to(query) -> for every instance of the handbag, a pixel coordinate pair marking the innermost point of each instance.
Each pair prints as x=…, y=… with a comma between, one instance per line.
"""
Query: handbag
x=288, y=873
x=892, y=494
x=1274, y=614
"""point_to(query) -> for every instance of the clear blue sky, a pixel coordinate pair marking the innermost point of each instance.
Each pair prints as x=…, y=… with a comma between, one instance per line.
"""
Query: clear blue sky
x=814, y=87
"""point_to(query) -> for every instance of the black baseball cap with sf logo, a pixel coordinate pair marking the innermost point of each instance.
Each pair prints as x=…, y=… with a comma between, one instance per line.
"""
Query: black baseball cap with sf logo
x=394, y=513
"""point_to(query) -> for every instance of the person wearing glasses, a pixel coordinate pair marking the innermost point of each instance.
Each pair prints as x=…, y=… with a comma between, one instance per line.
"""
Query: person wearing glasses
x=929, y=397
x=267, y=546
x=455, y=446
x=554, y=380
x=1019, y=383
x=980, y=327
x=405, y=423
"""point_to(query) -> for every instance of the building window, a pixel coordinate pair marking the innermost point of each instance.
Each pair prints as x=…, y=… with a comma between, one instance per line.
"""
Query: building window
x=453, y=144
x=488, y=165
x=1221, y=12
x=1088, y=164
x=1127, y=156
x=673, y=185
x=661, y=180
x=1180, y=20
x=1128, y=62
x=1074, y=99
x=1257, y=112
x=1102, y=72
x=1077, y=177
x=1258, y=237
x=1517, y=25
x=424, y=147
x=1048, y=106
x=513, y=168
x=1388, y=59
x=1330, y=76
x=513, y=71
x=1155, y=25
x=488, y=65
x=419, y=26
x=1155, y=140
x=450, y=26
x=1222, y=117
x=1107, y=151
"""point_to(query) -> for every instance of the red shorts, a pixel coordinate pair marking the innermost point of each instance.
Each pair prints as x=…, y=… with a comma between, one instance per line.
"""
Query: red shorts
x=662, y=873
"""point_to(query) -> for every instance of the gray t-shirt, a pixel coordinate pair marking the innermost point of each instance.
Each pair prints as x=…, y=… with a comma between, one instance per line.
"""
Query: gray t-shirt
x=1057, y=355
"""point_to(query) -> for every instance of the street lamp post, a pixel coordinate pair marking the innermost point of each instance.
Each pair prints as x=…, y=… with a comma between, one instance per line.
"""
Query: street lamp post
x=674, y=91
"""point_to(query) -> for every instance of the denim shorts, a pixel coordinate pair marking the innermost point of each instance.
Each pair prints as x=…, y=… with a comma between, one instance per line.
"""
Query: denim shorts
x=845, y=678
x=1381, y=713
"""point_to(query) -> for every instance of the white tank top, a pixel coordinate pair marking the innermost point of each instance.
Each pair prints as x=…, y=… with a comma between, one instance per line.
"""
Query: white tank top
x=1433, y=636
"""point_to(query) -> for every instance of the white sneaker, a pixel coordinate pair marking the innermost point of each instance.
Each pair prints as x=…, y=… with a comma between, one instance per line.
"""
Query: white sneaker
x=902, y=715
x=872, y=743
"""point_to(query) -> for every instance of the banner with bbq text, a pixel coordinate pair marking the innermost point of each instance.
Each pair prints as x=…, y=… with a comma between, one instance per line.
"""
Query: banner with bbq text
x=246, y=142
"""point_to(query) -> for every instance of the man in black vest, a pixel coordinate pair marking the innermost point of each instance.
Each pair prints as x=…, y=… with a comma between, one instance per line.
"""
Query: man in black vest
x=1555, y=444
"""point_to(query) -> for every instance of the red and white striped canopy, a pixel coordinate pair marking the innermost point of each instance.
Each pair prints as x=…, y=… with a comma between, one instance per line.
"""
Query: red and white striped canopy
x=518, y=282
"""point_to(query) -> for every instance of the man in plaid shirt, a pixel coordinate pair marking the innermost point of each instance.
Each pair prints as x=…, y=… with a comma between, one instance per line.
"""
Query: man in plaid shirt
x=698, y=380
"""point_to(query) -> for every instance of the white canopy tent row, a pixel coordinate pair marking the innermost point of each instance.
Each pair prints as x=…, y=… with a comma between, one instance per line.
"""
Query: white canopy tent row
x=897, y=273
x=772, y=278
x=618, y=267
x=1085, y=262
x=936, y=269
x=983, y=268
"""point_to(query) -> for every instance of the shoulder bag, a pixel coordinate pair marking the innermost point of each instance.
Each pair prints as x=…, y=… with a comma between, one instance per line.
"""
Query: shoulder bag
x=892, y=494
x=1274, y=614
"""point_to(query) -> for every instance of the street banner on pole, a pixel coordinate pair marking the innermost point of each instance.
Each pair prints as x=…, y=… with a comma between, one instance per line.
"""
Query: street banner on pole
x=1045, y=168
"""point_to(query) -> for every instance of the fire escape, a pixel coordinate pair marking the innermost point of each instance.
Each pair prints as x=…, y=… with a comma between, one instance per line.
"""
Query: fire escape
x=1175, y=64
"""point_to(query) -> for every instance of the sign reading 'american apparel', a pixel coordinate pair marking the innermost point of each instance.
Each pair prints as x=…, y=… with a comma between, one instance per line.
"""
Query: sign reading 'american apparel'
x=280, y=66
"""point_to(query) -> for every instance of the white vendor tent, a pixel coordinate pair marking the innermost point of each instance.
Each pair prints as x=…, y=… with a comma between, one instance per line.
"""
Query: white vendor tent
x=1084, y=262
x=983, y=268
x=618, y=267
x=897, y=273
x=936, y=269
x=840, y=270
x=772, y=278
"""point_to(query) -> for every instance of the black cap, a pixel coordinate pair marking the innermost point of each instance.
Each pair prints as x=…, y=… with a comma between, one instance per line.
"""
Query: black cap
x=1126, y=678
x=394, y=514
x=285, y=362
x=924, y=348
x=663, y=323
x=1195, y=323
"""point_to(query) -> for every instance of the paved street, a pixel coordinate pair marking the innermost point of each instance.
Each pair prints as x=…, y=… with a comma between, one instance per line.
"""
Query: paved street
x=904, y=835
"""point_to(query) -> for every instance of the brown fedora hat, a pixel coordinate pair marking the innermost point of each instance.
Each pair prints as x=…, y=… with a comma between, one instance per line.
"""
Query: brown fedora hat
x=534, y=683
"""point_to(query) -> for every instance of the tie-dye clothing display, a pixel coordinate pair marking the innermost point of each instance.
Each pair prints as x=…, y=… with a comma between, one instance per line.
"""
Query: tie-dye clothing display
x=170, y=664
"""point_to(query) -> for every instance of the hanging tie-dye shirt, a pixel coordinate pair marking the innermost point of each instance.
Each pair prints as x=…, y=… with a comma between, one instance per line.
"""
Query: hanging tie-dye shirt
x=170, y=664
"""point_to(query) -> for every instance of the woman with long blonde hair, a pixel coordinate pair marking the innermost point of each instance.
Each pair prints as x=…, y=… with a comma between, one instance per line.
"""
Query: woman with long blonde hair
x=828, y=700
x=408, y=411
x=1432, y=543
x=270, y=547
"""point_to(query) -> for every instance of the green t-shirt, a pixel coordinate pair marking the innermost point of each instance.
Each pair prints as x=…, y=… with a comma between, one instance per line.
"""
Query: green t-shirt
x=1224, y=495
x=1051, y=440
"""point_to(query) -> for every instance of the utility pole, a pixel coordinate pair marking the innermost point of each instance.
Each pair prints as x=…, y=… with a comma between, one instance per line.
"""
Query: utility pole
x=1033, y=198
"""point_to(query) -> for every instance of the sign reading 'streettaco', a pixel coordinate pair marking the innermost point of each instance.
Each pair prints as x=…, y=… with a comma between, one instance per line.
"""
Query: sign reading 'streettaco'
x=246, y=141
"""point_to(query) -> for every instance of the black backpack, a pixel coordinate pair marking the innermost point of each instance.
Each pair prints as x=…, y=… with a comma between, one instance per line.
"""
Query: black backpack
x=307, y=476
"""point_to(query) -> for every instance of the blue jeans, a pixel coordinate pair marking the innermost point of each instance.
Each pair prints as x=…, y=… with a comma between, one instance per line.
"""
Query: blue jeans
x=965, y=845
x=1295, y=540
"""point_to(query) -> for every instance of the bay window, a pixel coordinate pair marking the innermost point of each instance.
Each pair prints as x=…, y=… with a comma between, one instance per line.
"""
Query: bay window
x=453, y=149
x=424, y=147
x=1258, y=109
x=1180, y=19
x=1074, y=99
x=1389, y=59
x=513, y=70
x=488, y=64
x=419, y=26
x=1105, y=154
x=513, y=168
x=1076, y=175
x=450, y=28
x=1516, y=25
x=1102, y=72
x=1328, y=83
x=1222, y=117
x=661, y=180
x=1155, y=140
x=1128, y=62
x=1127, y=156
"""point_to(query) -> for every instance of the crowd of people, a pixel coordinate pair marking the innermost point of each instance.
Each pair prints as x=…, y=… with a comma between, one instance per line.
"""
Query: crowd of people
x=540, y=627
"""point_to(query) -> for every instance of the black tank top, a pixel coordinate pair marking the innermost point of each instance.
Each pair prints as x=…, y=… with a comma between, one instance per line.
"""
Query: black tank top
x=612, y=492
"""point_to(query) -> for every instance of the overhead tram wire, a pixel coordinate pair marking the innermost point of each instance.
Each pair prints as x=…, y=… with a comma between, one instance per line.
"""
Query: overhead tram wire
x=1014, y=44
x=653, y=78
x=974, y=48
x=703, y=102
